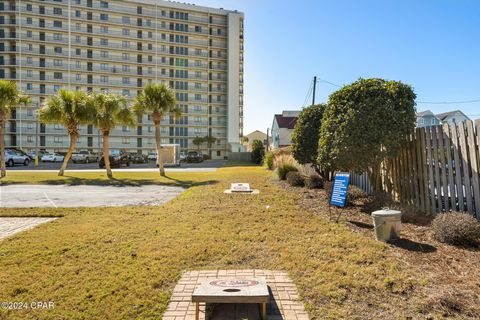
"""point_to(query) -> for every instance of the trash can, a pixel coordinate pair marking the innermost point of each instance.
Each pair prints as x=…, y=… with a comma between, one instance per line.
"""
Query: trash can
x=387, y=224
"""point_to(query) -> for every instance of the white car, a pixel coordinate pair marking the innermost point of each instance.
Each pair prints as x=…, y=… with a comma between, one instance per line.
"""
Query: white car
x=13, y=157
x=52, y=157
x=152, y=156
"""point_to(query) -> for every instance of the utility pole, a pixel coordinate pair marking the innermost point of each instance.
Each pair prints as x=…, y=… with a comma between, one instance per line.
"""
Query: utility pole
x=314, y=89
x=267, y=138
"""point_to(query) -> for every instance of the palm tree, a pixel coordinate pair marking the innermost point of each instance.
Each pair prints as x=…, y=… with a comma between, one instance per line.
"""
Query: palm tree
x=70, y=109
x=110, y=110
x=198, y=141
x=159, y=100
x=10, y=98
x=210, y=140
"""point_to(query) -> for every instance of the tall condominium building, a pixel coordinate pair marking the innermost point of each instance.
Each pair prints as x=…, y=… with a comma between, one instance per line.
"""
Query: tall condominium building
x=118, y=47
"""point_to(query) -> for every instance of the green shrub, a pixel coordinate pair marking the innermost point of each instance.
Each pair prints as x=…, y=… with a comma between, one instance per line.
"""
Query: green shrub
x=295, y=179
x=268, y=160
x=456, y=228
x=258, y=151
x=313, y=181
x=285, y=168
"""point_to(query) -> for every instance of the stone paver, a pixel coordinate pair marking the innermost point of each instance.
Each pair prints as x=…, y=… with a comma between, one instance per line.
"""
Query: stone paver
x=284, y=303
x=52, y=196
x=10, y=226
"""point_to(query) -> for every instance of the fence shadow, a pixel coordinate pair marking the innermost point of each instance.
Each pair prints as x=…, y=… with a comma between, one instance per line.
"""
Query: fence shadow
x=362, y=225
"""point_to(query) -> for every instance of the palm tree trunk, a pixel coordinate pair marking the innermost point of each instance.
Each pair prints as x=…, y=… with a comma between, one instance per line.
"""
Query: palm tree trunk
x=2, y=151
x=159, y=149
x=73, y=142
x=106, y=153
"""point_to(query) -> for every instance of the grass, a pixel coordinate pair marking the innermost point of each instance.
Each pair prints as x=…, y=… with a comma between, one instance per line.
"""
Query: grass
x=122, y=263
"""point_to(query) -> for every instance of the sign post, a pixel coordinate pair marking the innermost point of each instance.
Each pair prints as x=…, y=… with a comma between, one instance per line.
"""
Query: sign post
x=338, y=198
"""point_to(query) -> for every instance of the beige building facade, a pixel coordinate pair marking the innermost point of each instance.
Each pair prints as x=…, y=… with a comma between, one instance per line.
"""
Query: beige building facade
x=118, y=47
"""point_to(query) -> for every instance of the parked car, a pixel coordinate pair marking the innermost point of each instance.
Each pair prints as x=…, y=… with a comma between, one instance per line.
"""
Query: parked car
x=13, y=157
x=84, y=156
x=152, y=156
x=52, y=157
x=31, y=154
x=183, y=156
x=138, y=158
x=117, y=159
x=194, y=156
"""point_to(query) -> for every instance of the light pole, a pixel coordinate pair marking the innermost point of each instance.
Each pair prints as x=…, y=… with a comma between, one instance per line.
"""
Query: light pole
x=36, y=138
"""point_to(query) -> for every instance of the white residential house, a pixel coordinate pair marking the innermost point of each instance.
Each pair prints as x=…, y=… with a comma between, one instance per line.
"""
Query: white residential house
x=455, y=116
x=282, y=128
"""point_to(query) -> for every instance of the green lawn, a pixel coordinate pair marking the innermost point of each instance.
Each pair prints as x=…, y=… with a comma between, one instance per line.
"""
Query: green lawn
x=122, y=263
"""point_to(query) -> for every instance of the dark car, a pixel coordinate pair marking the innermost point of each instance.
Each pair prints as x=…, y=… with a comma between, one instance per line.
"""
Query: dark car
x=194, y=156
x=138, y=158
x=117, y=159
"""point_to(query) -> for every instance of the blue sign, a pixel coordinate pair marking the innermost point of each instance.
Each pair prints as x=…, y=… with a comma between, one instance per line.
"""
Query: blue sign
x=339, y=191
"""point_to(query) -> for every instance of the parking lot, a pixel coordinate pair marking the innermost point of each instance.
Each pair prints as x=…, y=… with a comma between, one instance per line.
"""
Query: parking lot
x=209, y=165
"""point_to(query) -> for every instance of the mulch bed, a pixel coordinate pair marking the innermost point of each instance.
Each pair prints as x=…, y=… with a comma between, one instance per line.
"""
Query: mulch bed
x=451, y=275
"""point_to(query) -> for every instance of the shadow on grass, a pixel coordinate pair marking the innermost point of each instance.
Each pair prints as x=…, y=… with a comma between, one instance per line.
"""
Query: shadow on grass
x=413, y=245
x=115, y=182
x=362, y=225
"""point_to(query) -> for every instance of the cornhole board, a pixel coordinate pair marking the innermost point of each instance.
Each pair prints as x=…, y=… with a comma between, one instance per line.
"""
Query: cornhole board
x=232, y=290
x=241, y=188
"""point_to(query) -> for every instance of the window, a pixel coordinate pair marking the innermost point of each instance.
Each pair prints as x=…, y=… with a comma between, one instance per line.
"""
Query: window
x=57, y=11
x=104, y=79
x=125, y=140
x=57, y=36
x=78, y=52
x=422, y=121
x=29, y=60
x=30, y=47
x=78, y=64
x=29, y=73
x=198, y=96
x=198, y=28
x=126, y=20
x=29, y=86
x=29, y=7
x=103, y=29
x=57, y=75
x=57, y=62
x=103, y=16
x=56, y=88
x=126, y=92
x=125, y=128
x=78, y=13
x=29, y=138
x=125, y=44
x=57, y=139
x=104, y=54
x=57, y=24
x=29, y=20
x=104, y=42
x=125, y=56
x=125, y=68
x=57, y=49
x=433, y=121
x=78, y=26
x=78, y=77
x=103, y=4
x=126, y=32
x=104, y=66
x=125, y=80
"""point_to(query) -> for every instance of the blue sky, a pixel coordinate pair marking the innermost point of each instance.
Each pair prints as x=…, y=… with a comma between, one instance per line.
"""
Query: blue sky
x=433, y=45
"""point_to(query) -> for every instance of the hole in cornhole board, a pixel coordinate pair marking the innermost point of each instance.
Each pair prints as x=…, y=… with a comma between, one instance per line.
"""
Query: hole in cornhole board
x=231, y=290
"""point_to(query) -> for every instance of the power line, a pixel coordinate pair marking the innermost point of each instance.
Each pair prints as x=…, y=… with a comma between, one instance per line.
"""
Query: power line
x=449, y=102
x=309, y=92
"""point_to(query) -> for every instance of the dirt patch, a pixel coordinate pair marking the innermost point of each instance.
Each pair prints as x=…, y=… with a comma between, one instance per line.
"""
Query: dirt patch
x=450, y=285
